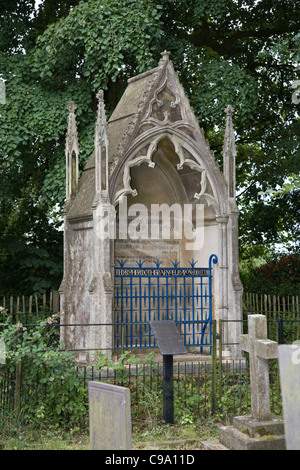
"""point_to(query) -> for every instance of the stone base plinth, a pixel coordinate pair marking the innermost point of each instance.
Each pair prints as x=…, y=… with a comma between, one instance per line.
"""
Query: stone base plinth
x=247, y=433
x=256, y=428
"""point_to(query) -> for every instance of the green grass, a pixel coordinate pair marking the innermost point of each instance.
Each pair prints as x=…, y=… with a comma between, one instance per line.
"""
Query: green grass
x=17, y=435
x=39, y=439
x=162, y=436
x=155, y=434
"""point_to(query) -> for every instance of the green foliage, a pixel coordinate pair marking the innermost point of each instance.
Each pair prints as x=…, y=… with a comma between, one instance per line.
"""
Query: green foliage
x=120, y=367
x=15, y=25
x=30, y=244
x=218, y=84
x=99, y=41
x=242, y=53
x=47, y=373
x=54, y=394
x=279, y=276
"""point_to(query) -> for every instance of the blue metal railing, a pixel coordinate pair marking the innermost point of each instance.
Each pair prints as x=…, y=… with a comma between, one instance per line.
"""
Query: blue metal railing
x=143, y=294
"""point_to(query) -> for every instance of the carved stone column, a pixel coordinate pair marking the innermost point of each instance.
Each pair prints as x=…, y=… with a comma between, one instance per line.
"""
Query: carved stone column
x=101, y=288
x=222, y=221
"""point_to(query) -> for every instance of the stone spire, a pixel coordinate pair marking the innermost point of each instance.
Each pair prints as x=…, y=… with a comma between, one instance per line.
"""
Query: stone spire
x=2, y=91
x=101, y=148
x=72, y=153
x=229, y=153
x=165, y=55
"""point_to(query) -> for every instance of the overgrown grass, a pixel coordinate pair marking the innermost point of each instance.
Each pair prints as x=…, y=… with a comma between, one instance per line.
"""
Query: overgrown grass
x=15, y=434
x=50, y=391
x=178, y=436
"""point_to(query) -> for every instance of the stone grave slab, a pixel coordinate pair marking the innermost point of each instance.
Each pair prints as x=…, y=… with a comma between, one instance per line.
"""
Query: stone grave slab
x=109, y=417
x=289, y=368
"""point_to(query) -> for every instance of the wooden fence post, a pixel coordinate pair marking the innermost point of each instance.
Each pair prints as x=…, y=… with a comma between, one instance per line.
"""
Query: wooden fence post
x=55, y=302
x=17, y=400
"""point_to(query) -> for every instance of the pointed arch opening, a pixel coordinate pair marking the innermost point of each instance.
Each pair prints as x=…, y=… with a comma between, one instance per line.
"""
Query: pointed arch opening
x=159, y=187
x=161, y=213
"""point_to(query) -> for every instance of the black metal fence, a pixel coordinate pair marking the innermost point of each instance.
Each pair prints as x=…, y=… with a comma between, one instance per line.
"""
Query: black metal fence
x=206, y=385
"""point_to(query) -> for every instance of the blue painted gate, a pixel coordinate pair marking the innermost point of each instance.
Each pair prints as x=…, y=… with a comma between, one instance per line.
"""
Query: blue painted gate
x=143, y=294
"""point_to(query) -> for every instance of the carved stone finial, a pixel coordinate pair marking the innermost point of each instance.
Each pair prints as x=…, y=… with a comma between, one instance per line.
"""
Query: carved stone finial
x=101, y=115
x=229, y=110
x=101, y=147
x=72, y=138
x=165, y=55
x=72, y=107
x=229, y=153
x=100, y=96
x=72, y=153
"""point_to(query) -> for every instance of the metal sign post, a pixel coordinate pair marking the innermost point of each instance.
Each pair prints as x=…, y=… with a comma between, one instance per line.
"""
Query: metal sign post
x=168, y=389
x=169, y=343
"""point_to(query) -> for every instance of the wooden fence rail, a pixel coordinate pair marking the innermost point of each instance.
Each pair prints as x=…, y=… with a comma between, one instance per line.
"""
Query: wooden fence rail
x=32, y=304
x=272, y=306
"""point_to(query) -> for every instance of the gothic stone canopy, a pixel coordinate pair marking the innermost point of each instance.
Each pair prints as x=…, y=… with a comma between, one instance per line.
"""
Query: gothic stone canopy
x=153, y=109
x=152, y=149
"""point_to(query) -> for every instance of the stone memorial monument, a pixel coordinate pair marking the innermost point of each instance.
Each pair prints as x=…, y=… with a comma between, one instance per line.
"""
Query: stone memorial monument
x=151, y=154
x=261, y=430
x=289, y=368
x=109, y=417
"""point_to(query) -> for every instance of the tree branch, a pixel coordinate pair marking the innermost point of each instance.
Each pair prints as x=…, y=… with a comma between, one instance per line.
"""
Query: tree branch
x=226, y=43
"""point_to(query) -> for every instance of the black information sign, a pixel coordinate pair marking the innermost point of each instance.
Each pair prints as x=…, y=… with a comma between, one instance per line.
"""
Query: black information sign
x=167, y=337
x=169, y=342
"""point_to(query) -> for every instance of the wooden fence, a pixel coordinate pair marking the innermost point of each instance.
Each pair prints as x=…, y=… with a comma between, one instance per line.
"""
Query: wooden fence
x=272, y=306
x=32, y=304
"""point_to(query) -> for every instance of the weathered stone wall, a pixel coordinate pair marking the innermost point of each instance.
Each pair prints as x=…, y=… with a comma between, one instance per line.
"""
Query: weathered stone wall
x=76, y=295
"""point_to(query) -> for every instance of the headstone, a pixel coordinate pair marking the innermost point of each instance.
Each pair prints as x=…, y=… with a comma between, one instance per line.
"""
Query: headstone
x=289, y=367
x=260, y=349
x=110, y=417
x=260, y=430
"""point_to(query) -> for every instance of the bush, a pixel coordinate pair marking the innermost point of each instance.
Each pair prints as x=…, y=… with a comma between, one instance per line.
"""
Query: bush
x=51, y=388
x=278, y=276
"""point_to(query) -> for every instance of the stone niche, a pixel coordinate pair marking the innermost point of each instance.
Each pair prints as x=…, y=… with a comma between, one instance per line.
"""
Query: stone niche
x=151, y=153
x=160, y=185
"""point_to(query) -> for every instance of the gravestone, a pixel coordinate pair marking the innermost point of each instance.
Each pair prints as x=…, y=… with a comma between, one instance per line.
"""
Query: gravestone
x=109, y=417
x=260, y=349
x=261, y=430
x=289, y=367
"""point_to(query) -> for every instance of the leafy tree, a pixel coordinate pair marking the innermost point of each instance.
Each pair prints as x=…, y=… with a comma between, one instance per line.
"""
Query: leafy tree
x=280, y=276
x=236, y=52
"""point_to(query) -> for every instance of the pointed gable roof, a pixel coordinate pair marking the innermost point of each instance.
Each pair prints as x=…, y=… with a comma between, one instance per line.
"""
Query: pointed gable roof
x=131, y=108
x=153, y=103
x=120, y=126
